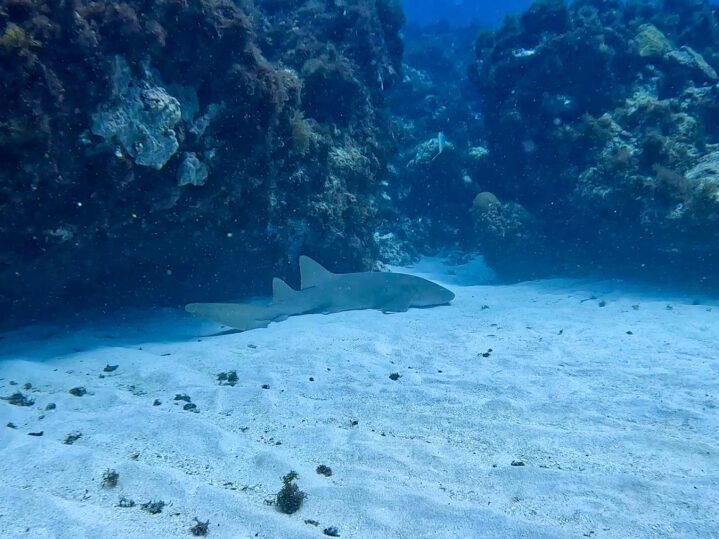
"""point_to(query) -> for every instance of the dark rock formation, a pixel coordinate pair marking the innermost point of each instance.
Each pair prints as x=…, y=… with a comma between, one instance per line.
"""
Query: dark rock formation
x=161, y=152
x=601, y=127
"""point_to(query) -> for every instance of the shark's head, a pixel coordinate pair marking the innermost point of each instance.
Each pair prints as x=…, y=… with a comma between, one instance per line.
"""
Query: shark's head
x=424, y=293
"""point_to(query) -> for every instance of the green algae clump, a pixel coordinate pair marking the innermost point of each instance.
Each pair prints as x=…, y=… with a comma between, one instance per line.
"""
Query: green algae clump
x=289, y=499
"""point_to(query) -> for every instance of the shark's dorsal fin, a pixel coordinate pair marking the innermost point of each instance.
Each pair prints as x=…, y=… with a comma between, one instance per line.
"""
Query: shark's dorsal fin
x=312, y=273
x=281, y=291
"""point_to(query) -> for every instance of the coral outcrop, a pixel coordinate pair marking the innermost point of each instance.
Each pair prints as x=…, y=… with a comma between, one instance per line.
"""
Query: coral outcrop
x=601, y=129
x=161, y=152
x=140, y=118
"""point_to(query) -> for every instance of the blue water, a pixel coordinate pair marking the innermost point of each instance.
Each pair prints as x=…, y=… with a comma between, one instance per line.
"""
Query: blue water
x=461, y=12
x=464, y=12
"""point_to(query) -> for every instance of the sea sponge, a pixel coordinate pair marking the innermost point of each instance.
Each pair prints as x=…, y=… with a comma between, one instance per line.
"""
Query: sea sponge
x=301, y=135
x=650, y=42
x=485, y=202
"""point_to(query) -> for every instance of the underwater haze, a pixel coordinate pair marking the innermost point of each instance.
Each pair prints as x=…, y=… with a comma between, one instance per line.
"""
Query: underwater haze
x=359, y=269
x=461, y=12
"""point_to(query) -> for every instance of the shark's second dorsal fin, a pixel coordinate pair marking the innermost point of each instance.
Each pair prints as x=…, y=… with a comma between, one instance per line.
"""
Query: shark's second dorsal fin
x=281, y=291
x=312, y=273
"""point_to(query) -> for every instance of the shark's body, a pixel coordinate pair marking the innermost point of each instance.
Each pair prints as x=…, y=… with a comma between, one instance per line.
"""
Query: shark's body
x=326, y=292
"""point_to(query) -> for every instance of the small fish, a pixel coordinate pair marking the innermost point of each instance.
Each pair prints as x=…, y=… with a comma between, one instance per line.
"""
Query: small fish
x=441, y=140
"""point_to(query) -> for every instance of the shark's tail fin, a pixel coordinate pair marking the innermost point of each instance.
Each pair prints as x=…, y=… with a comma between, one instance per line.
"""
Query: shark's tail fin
x=235, y=315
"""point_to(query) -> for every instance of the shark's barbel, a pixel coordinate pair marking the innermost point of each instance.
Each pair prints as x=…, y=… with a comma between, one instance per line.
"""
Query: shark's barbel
x=325, y=292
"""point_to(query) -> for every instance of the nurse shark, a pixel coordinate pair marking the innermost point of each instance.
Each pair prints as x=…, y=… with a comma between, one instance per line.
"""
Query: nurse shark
x=322, y=291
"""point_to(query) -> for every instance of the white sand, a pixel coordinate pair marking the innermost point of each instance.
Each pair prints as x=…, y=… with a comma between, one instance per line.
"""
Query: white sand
x=618, y=433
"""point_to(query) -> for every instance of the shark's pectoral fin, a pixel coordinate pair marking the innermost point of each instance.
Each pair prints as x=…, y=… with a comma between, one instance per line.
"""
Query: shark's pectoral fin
x=395, y=307
x=261, y=324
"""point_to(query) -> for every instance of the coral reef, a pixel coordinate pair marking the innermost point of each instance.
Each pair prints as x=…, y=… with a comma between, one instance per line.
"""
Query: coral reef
x=171, y=151
x=427, y=194
x=158, y=152
x=600, y=123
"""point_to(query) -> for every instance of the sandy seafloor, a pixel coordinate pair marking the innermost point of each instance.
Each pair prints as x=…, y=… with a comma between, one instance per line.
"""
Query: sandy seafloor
x=612, y=410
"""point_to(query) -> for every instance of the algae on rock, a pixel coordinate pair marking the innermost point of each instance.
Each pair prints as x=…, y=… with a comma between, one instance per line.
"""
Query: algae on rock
x=651, y=42
x=141, y=117
x=692, y=61
x=192, y=171
x=705, y=176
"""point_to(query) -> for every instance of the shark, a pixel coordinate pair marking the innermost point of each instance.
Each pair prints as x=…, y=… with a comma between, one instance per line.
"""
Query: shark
x=322, y=291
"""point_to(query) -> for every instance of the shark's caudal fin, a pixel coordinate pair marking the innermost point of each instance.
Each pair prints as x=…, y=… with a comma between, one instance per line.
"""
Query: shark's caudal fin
x=312, y=273
x=234, y=315
x=281, y=291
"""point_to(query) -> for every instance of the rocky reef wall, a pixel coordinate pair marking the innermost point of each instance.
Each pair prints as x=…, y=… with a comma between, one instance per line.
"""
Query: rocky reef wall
x=176, y=150
x=601, y=129
x=425, y=200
